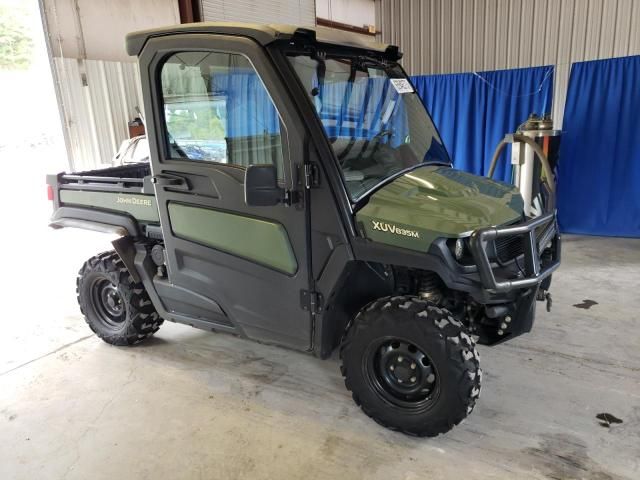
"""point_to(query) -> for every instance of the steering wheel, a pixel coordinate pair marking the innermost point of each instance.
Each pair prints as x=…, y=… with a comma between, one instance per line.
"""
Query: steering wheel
x=375, y=140
x=384, y=133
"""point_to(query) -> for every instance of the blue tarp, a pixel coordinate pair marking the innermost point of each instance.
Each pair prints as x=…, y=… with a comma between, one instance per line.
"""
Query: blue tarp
x=599, y=178
x=473, y=111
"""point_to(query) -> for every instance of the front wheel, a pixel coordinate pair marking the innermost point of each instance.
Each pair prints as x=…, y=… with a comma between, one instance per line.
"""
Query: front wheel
x=411, y=366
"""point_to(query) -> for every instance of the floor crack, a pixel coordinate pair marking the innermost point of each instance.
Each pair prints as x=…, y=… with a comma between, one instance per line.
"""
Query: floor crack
x=576, y=358
x=66, y=345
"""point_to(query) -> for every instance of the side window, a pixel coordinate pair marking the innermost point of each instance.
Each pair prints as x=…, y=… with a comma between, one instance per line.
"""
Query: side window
x=216, y=109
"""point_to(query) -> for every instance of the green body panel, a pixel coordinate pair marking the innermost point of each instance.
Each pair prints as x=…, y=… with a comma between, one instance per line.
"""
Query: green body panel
x=141, y=207
x=431, y=202
x=259, y=240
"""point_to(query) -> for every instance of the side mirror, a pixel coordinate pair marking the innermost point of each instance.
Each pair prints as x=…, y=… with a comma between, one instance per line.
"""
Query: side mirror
x=261, y=186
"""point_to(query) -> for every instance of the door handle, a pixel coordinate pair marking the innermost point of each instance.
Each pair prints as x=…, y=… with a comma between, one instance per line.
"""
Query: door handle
x=172, y=181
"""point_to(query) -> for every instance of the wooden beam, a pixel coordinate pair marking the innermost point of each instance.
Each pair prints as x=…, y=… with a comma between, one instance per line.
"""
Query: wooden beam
x=344, y=26
x=190, y=11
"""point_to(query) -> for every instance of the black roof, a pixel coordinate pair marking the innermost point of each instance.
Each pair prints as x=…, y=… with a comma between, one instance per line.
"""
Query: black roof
x=263, y=34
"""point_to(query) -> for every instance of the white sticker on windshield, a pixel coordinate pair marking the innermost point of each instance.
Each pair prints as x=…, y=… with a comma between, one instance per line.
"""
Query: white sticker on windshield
x=401, y=85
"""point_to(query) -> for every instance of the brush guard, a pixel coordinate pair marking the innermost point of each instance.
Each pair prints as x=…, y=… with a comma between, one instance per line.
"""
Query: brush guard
x=540, y=261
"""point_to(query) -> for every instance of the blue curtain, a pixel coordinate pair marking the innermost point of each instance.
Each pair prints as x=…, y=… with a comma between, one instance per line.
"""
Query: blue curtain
x=253, y=126
x=350, y=120
x=250, y=111
x=362, y=116
x=599, y=178
x=474, y=111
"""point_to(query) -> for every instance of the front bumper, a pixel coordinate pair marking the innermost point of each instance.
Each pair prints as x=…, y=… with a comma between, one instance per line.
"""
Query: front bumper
x=541, y=246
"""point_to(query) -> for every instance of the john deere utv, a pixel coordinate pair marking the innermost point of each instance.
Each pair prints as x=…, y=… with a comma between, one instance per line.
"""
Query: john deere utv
x=298, y=193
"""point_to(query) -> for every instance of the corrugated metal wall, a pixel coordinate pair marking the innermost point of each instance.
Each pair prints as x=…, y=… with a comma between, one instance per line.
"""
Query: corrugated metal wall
x=99, y=98
x=296, y=12
x=97, y=83
x=449, y=36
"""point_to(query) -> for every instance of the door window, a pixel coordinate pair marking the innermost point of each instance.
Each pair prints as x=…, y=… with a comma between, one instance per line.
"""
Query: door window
x=216, y=109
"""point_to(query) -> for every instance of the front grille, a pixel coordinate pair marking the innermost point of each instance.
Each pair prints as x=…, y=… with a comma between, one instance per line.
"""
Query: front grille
x=509, y=247
x=544, y=234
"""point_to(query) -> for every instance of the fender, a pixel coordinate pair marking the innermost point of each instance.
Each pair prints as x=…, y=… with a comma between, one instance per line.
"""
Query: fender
x=90, y=219
x=126, y=250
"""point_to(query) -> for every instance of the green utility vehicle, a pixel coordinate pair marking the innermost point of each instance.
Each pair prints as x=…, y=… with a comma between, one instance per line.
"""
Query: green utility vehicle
x=298, y=193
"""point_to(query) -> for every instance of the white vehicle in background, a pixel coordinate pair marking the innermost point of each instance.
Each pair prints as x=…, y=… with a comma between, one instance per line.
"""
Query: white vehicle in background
x=132, y=150
x=196, y=125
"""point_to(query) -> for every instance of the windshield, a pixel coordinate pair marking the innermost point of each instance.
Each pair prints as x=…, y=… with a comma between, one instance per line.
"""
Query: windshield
x=376, y=123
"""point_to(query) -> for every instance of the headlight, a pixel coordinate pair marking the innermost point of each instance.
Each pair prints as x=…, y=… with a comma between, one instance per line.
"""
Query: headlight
x=458, y=251
x=459, y=248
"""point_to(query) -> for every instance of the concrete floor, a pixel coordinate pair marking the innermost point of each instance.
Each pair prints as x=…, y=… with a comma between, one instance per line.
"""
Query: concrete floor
x=190, y=404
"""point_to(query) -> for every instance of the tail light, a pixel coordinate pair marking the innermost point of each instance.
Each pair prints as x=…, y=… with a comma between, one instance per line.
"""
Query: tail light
x=49, y=192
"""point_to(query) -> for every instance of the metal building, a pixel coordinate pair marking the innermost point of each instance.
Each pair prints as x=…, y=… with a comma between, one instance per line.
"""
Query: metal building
x=98, y=84
x=450, y=36
x=296, y=12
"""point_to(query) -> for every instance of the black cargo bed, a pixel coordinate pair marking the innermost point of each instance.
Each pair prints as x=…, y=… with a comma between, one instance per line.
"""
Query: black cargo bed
x=129, y=178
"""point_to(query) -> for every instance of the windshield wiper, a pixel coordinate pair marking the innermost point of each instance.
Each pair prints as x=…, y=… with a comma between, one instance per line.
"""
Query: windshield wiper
x=365, y=61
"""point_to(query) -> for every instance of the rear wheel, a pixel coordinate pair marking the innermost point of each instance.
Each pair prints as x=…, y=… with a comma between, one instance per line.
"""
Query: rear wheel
x=116, y=308
x=411, y=366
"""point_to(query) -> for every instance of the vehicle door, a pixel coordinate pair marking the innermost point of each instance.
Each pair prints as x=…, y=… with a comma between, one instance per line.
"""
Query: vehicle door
x=218, y=107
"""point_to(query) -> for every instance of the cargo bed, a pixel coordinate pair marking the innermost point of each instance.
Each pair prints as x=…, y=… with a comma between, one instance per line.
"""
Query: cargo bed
x=116, y=200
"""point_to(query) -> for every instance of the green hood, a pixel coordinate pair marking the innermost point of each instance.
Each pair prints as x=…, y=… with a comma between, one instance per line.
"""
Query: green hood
x=432, y=201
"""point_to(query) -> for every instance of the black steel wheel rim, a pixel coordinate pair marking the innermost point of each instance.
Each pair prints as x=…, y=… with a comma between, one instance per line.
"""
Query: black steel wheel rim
x=107, y=303
x=402, y=374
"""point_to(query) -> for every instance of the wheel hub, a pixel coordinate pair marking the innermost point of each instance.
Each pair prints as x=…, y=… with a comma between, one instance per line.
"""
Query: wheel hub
x=111, y=299
x=403, y=372
x=108, y=303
